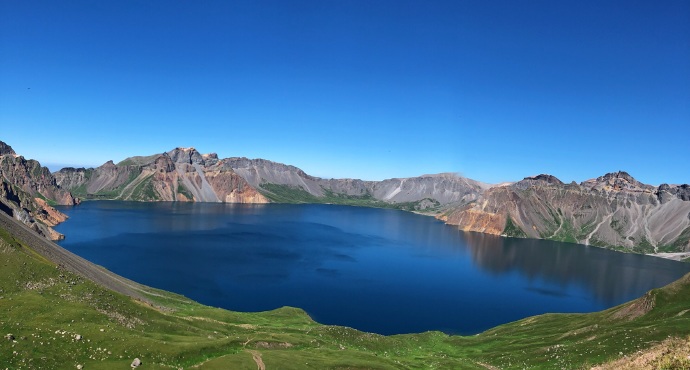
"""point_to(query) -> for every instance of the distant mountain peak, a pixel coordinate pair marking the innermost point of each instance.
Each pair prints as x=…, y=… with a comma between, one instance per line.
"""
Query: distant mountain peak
x=617, y=181
x=186, y=155
x=551, y=179
x=613, y=176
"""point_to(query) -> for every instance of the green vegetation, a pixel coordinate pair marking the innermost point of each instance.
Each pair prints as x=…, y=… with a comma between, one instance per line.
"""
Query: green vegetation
x=51, y=318
x=137, y=160
x=513, y=230
x=566, y=233
x=144, y=190
x=50, y=202
x=289, y=194
x=108, y=194
x=644, y=246
x=181, y=189
x=679, y=244
x=80, y=191
x=586, y=229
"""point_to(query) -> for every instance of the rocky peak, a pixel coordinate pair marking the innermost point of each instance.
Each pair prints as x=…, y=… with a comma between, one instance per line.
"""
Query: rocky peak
x=666, y=192
x=617, y=181
x=617, y=177
x=164, y=162
x=539, y=180
x=6, y=149
x=546, y=178
x=109, y=164
x=210, y=158
x=186, y=155
x=71, y=169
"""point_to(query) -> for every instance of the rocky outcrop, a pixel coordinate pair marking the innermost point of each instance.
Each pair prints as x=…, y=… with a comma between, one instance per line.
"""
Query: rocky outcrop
x=27, y=191
x=31, y=177
x=182, y=174
x=6, y=149
x=613, y=210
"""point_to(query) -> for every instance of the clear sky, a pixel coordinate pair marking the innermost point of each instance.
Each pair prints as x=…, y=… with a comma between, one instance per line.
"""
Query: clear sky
x=493, y=90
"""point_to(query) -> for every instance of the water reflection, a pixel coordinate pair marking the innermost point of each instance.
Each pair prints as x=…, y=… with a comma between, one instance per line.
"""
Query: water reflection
x=610, y=276
x=377, y=270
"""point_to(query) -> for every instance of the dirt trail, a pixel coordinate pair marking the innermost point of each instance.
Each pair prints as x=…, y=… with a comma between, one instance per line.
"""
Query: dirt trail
x=256, y=355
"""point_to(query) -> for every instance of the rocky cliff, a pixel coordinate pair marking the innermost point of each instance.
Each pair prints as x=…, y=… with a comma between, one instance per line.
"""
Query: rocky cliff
x=614, y=211
x=28, y=191
x=182, y=174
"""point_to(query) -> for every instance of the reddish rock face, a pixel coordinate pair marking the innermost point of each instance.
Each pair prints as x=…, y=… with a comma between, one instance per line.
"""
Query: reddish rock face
x=232, y=188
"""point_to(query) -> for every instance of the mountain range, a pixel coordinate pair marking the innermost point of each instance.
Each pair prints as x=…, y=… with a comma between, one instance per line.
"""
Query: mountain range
x=62, y=311
x=612, y=211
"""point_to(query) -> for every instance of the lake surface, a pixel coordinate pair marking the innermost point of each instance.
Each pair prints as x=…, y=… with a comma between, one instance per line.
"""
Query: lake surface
x=376, y=270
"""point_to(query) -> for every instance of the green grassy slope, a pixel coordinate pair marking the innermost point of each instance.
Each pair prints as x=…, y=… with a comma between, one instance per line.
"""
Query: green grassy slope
x=44, y=307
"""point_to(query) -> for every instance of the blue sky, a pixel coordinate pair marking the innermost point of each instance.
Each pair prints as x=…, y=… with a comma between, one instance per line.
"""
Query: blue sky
x=493, y=90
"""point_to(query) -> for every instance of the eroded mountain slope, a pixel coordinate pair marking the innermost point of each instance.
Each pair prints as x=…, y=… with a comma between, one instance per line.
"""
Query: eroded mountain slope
x=182, y=174
x=280, y=181
x=613, y=210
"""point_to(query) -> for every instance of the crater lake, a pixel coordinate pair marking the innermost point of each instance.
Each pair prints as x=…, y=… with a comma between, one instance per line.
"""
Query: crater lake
x=376, y=270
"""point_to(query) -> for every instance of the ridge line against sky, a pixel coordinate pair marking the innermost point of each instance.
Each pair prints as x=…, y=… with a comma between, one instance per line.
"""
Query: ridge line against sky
x=493, y=90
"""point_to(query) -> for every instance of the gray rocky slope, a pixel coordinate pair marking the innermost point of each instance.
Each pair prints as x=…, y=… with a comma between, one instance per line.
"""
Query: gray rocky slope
x=441, y=189
x=613, y=210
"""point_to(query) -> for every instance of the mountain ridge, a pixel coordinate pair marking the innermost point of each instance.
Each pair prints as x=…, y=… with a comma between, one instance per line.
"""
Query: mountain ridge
x=613, y=210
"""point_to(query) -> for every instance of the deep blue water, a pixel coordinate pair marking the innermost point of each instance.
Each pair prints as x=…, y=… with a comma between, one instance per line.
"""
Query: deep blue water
x=376, y=270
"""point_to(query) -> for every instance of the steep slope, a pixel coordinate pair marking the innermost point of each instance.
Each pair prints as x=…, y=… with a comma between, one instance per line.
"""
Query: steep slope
x=285, y=183
x=613, y=210
x=182, y=174
x=28, y=191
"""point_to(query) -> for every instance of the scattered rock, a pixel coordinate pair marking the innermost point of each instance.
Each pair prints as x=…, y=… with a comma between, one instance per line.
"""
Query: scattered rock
x=77, y=337
x=136, y=363
x=9, y=337
x=79, y=367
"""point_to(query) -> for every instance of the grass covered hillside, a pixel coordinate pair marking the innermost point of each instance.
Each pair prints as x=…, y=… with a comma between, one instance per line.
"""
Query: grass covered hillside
x=53, y=316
